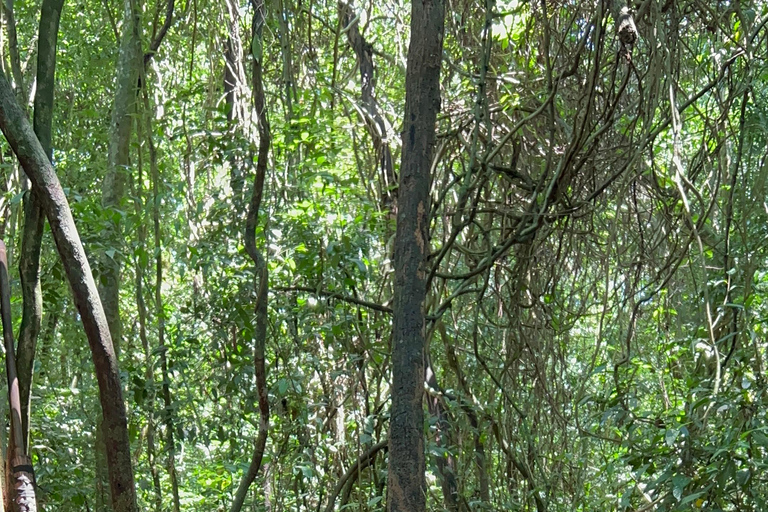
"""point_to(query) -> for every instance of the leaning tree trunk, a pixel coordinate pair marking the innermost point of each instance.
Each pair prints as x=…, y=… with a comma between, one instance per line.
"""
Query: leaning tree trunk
x=34, y=218
x=261, y=279
x=45, y=184
x=406, y=479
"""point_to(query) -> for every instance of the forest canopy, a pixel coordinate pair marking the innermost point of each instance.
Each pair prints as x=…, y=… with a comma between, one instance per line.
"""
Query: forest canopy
x=442, y=255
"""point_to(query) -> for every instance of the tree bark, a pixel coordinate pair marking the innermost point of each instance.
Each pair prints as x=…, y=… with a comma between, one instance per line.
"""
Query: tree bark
x=406, y=478
x=45, y=184
x=34, y=219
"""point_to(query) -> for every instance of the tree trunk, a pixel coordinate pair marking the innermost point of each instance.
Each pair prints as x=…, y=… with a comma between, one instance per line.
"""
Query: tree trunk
x=160, y=313
x=113, y=188
x=34, y=219
x=46, y=185
x=443, y=438
x=21, y=476
x=406, y=478
x=149, y=370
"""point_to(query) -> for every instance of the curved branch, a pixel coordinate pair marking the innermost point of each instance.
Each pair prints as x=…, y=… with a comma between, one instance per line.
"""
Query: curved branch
x=261, y=280
x=158, y=39
x=362, y=462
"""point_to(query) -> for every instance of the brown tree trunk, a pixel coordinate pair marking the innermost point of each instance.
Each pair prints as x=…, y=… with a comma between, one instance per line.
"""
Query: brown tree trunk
x=406, y=479
x=21, y=489
x=45, y=184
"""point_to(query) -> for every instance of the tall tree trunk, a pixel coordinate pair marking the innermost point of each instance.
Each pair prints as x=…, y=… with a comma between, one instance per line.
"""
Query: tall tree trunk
x=261, y=279
x=149, y=370
x=21, y=489
x=34, y=219
x=45, y=184
x=113, y=188
x=406, y=478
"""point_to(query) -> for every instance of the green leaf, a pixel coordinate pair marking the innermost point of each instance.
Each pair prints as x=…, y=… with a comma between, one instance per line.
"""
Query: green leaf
x=670, y=436
x=760, y=438
x=679, y=482
x=692, y=497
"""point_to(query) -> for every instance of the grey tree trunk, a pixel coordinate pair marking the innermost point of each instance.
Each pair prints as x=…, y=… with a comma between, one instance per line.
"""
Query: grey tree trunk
x=45, y=184
x=113, y=188
x=406, y=479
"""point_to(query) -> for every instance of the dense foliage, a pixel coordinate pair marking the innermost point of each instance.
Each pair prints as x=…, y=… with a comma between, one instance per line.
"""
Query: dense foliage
x=598, y=269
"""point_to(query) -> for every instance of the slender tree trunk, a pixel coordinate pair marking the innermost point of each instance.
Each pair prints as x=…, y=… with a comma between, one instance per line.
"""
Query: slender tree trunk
x=45, y=184
x=21, y=489
x=150, y=386
x=160, y=315
x=149, y=371
x=34, y=219
x=113, y=188
x=482, y=471
x=406, y=478
x=13, y=51
x=261, y=279
x=443, y=439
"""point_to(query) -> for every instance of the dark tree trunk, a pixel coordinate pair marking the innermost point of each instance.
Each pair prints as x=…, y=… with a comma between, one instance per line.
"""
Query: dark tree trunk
x=261, y=279
x=45, y=184
x=34, y=218
x=407, y=483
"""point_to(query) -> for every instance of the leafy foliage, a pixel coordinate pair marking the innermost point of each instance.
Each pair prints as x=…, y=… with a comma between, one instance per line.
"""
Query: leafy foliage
x=598, y=278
